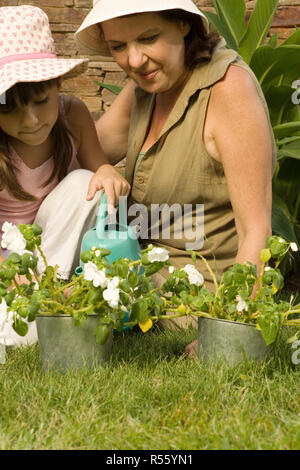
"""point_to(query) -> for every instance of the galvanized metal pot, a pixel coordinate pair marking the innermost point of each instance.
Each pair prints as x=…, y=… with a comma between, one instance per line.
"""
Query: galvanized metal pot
x=66, y=346
x=231, y=341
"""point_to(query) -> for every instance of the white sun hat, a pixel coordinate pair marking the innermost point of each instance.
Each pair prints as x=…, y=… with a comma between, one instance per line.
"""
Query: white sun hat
x=27, y=52
x=88, y=35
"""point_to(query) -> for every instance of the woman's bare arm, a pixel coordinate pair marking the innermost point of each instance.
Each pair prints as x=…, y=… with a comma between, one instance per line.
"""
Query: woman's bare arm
x=242, y=136
x=113, y=126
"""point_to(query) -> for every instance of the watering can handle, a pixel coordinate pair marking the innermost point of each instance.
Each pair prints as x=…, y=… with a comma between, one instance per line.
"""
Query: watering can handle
x=102, y=214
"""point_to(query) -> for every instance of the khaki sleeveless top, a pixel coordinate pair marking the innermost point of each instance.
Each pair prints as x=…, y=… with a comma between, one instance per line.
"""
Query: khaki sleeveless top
x=178, y=170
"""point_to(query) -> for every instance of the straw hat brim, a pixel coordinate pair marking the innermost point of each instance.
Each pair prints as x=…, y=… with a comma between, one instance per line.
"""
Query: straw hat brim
x=38, y=70
x=88, y=37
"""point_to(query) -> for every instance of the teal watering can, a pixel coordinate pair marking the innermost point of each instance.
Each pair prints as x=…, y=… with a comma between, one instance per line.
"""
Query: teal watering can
x=119, y=238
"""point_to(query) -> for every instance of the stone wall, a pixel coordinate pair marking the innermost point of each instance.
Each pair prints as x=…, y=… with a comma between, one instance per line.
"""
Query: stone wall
x=66, y=16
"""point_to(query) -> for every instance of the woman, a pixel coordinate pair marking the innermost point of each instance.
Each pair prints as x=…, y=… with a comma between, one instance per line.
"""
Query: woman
x=193, y=124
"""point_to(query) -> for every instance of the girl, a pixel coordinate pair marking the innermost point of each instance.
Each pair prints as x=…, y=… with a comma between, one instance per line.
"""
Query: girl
x=51, y=163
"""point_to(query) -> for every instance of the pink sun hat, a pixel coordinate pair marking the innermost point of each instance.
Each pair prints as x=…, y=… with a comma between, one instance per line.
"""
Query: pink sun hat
x=27, y=52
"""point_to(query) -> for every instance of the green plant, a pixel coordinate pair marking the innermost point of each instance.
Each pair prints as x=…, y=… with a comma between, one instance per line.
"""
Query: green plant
x=110, y=290
x=277, y=70
x=116, y=89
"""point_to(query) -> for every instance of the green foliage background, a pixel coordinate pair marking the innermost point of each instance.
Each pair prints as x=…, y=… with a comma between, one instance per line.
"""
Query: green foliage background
x=277, y=69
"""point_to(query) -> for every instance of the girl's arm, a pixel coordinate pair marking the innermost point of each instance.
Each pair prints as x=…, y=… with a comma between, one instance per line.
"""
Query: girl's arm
x=91, y=156
x=242, y=136
x=113, y=126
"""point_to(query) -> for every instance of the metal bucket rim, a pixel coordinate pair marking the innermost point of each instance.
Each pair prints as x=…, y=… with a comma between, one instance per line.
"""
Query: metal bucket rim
x=63, y=315
x=227, y=321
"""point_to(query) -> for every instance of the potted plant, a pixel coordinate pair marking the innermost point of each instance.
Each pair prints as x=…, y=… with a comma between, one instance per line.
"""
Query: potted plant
x=82, y=312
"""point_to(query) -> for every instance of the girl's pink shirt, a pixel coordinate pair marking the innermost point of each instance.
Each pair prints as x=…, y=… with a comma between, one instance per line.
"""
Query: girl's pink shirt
x=31, y=179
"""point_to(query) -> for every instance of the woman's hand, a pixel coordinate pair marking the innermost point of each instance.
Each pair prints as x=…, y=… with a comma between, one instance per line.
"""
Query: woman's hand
x=114, y=185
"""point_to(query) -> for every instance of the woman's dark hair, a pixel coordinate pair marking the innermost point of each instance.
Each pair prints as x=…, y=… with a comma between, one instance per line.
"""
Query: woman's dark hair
x=21, y=94
x=199, y=44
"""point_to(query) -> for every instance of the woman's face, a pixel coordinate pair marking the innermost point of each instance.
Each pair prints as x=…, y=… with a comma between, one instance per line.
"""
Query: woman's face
x=150, y=49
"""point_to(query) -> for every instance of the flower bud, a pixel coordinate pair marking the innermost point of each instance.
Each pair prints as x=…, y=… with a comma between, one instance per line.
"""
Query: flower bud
x=265, y=255
x=181, y=309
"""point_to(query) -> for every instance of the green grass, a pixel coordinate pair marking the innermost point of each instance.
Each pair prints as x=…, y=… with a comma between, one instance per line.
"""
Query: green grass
x=150, y=397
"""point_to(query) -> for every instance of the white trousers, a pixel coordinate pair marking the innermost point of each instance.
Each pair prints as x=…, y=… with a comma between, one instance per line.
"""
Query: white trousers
x=65, y=215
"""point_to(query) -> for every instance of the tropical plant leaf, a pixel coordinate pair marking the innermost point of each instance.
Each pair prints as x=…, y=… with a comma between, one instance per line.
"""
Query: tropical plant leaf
x=279, y=102
x=291, y=75
x=291, y=114
x=286, y=152
x=232, y=15
x=221, y=28
x=286, y=129
x=116, y=89
x=294, y=143
x=289, y=140
x=262, y=61
x=286, y=185
x=258, y=27
x=286, y=58
x=281, y=223
x=294, y=38
x=277, y=200
x=273, y=40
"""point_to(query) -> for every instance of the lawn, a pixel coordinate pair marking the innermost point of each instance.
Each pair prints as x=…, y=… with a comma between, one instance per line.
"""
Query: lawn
x=150, y=397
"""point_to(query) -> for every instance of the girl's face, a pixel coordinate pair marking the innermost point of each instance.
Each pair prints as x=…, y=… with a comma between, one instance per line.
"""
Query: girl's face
x=32, y=123
x=150, y=49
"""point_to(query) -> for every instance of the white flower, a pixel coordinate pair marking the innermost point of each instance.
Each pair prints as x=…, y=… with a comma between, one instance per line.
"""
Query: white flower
x=100, y=279
x=92, y=273
x=62, y=275
x=267, y=268
x=158, y=254
x=294, y=246
x=193, y=274
x=12, y=238
x=6, y=321
x=3, y=313
x=97, y=253
x=111, y=294
x=89, y=270
x=40, y=267
x=171, y=269
x=241, y=305
x=113, y=283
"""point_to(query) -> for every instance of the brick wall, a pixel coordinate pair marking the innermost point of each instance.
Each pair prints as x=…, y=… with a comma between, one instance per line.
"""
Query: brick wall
x=66, y=16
